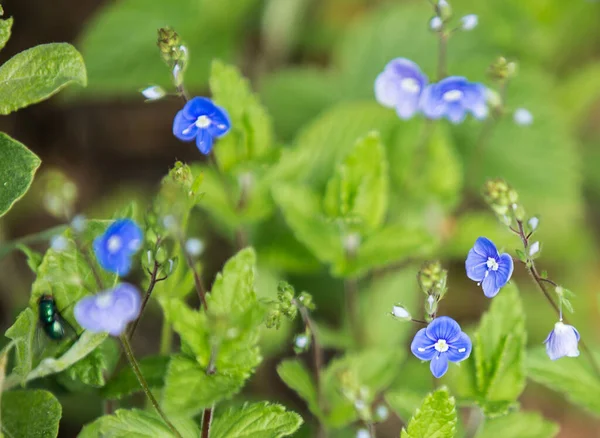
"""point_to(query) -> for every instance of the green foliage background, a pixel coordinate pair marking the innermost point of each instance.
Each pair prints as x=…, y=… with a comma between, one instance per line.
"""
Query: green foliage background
x=326, y=161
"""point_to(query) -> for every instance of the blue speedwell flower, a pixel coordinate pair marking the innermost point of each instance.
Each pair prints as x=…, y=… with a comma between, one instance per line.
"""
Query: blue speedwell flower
x=202, y=120
x=109, y=311
x=117, y=245
x=440, y=342
x=399, y=86
x=452, y=98
x=487, y=267
x=562, y=341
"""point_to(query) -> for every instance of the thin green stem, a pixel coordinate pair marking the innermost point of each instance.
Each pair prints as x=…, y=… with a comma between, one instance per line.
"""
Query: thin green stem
x=442, y=54
x=138, y=373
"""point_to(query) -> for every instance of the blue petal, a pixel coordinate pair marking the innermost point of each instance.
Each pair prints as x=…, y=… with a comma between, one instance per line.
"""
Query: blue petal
x=485, y=247
x=475, y=100
x=184, y=128
x=490, y=289
x=405, y=68
x=456, y=113
x=431, y=103
x=204, y=141
x=505, y=270
x=452, y=83
x=460, y=348
x=198, y=106
x=443, y=327
x=119, y=260
x=408, y=105
x=476, y=265
x=220, y=122
x=128, y=231
x=423, y=342
x=439, y=365
x=562, y=341
x=387, y=90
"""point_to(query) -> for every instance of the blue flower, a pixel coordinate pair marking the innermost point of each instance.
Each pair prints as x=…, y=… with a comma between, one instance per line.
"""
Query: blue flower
x=487, y=267
x=452, y=98
x=202, y=120
x=440, y=342
x=399, y=86
x=114, y=248
x=562, y=341
x=109, y=311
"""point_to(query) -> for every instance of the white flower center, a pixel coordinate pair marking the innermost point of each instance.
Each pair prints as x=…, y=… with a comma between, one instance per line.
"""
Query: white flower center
x=104, y=300
x=560, y=328
x=492, y=264
x=203, y=122
x=114, y=244
x=410, y=85
x=441, y=346
x=452, y=95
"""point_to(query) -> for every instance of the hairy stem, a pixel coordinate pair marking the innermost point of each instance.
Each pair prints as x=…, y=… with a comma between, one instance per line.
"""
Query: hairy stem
x=200, y=289
x=542, y=286
x=206, y=421
x=151, y=284
x=138, y=373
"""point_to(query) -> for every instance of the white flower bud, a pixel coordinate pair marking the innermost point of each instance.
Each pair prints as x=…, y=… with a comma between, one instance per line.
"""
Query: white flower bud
x=400, y=312
x=59, y=243
x=522, y=117
x=534, y=248
x=301, y=341
x=351, y=242
x=435, y=23
x=382, y=412
x=533, y=223
x=194, y=247
x=469, y=22
x=153, y=92
x=363, y=433
x=78, y=223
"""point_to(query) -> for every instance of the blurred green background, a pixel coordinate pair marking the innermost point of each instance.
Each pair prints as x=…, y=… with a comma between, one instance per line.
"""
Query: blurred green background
x=316, y=60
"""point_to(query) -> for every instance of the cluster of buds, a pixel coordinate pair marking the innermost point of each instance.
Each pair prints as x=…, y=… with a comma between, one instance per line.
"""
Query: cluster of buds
x=504, y=201
x=173, y=52
x=502, y=69
x=287, y=306
x=361, y=397
x=432, y=279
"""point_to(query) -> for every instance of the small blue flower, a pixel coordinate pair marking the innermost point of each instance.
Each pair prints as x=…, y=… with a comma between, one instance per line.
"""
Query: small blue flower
x=440, y=342
x=109, y=311
x=114, y=248
x=399, y=86
x=202, y=120
x=487, y=267
x=562, y=341
x=452, y=98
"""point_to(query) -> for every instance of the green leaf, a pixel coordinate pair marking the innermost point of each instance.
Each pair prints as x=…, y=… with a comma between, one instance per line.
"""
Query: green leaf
x=5, y=31
x=494, y=374
x=22, y=333
x=358, y=192
x=296, y=376
x=30, y=413
x=379, y=327
x=302, y=211
x=120, y=50
x=42, y=236
x=251, y=136
x=17, y=168
x=98, y=363
x=188, y=389
x=135, y=423
x=436, y=418
x=572, y=377
x=257, y=420
x=230, y=331
x=154, y=369
x=38, y=73
x=519, y=425
x=391, y=244
x=34, y=258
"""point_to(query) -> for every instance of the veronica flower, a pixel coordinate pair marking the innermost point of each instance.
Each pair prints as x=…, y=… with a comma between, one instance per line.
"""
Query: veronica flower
x=452, y=98
x=562, y=341
x=109, y=311
x=202, y=120
x=114, y=249
x=440, y=342
x=488, y=267
x=399, y=86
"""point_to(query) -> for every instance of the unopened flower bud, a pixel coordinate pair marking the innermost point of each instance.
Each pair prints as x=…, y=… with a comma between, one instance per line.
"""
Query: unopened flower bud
x=153, y=92
x=469, y=22
x=194, y=247
x=522, y=117
x=444, y=10
x=533, y=223
x=534, y=249
x=436, y=23
x=400, y=312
